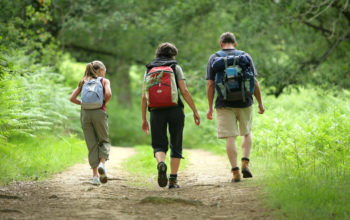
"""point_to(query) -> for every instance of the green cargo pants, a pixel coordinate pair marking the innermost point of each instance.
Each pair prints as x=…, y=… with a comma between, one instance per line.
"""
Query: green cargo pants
x=95, y=127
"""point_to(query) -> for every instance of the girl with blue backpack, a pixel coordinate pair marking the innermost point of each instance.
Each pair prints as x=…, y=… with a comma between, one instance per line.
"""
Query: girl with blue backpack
x=95, y=93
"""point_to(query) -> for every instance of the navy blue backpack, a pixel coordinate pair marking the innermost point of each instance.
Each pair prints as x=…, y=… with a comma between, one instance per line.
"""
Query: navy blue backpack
x=234, y=79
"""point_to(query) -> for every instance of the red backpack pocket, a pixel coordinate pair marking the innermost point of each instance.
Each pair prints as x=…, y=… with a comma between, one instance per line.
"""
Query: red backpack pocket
x=161, y=89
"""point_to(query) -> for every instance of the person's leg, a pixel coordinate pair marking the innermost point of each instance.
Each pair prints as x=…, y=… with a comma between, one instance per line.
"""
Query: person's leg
x=176, y=120
x=94, y=172
x=160, y=144
x=245, y=125
x=100, y=123
x=160, y=156
x=174, y=165
x=91, y=140
x=227, y=128
x=231, y=150
x=246, y=145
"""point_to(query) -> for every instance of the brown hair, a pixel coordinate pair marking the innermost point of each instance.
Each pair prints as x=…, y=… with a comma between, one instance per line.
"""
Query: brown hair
x=228, y=37
x=167, y=50
x=91, y=71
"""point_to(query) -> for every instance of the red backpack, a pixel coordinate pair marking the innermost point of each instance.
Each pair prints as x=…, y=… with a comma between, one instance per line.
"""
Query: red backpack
x=161, y=89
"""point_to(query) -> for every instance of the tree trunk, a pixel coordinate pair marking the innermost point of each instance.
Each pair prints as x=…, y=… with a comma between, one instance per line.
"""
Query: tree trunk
x=120, y=81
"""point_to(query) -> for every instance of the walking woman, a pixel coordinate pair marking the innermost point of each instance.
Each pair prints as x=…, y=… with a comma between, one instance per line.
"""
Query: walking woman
x=162, y=80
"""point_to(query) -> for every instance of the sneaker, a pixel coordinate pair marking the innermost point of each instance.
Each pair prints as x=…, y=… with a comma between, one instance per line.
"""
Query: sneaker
x=162, y=178
x=95, y=181
x=236, y=175
x=173, y=183
x=102, y=171
x=245, y=168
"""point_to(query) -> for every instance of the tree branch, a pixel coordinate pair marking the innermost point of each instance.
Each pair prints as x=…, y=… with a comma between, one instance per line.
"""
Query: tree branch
x=331, y=49
x=90, y=50
x=320, y=28
x=101, y=52
x=314, y=63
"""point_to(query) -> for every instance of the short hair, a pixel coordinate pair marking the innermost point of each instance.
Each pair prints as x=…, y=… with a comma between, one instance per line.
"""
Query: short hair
x=167, y=50
x=228, y=37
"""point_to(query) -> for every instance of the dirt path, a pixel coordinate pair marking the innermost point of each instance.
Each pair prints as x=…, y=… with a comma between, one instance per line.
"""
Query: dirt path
x=205, y=193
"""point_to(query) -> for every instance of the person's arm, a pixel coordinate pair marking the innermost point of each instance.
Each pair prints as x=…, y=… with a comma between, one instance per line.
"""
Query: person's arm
x=210, y=96
x=145, y=126
x=257, y=95
x=73, y=97
x=108, y=91
x=188, y=98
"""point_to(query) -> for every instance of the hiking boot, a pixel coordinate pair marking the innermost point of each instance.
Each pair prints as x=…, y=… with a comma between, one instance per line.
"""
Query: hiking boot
x=173, y=183
x=162, y=178
x=95, y=181
x=245, y=168
x=236, y=175
x=102, y=171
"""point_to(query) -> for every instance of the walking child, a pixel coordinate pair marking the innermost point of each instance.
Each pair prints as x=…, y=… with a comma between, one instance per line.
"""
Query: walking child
x=160, y=94
x=95, y=93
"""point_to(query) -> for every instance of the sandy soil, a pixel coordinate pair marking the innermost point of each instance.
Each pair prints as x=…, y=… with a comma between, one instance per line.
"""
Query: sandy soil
x=206, y=193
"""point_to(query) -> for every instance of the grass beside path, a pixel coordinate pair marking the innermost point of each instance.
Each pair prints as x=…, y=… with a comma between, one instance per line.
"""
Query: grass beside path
x=300, y=153
x=35, y=158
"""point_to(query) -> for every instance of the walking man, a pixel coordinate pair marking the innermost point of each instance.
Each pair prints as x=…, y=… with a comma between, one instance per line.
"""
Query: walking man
x=229, y=111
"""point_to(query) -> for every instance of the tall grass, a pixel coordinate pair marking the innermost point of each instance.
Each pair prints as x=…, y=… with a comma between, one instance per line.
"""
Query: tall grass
x=303, y=142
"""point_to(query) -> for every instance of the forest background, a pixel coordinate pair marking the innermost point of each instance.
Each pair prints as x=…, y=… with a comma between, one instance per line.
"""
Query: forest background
x=301, y=50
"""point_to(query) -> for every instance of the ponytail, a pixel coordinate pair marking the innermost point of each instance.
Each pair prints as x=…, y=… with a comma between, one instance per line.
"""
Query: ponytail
x=91, y=71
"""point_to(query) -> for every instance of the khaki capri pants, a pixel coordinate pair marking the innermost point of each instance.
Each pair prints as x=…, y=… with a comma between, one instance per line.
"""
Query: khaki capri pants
x=95, y=127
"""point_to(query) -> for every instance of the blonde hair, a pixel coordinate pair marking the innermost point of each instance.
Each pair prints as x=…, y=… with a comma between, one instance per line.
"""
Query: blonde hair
x=91, y=71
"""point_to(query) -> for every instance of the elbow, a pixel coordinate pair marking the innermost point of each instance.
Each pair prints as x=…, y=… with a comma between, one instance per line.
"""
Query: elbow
x=108, y=96
x=71, y=99
x=184, y=92
x=210, y=84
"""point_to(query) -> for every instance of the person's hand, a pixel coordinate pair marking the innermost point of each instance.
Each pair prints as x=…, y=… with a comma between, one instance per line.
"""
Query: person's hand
x=197, y=119
x=145, y=126
x=261, y=109
x=210, y=113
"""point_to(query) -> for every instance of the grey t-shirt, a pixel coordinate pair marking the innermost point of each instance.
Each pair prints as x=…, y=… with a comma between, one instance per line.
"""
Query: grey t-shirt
x=219, y=102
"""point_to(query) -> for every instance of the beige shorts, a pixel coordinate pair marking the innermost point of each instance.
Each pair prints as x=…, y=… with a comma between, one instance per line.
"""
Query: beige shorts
x=227, y=121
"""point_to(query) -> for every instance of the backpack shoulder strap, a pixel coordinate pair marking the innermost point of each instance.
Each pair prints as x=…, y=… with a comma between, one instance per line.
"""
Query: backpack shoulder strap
x=221, y=53
x=239, y=52
x=173, y=66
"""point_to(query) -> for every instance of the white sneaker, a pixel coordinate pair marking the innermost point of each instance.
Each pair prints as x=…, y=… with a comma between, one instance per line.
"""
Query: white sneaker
x=103, y=174
x=95, y=181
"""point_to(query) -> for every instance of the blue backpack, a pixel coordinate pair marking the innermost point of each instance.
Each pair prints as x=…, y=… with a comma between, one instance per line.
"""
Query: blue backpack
x=92, y=94
x=234, y=80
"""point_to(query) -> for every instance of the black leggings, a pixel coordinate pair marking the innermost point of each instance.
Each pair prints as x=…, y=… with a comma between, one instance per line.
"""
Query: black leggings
x=160, y=119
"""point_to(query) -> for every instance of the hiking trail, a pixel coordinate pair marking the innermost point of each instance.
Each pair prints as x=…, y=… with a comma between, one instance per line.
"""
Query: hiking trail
x=206, y=193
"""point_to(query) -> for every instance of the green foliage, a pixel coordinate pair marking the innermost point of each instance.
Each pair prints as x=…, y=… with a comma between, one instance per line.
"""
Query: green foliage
x=34, y=101
x=27, y=158
x=36, y=118
x=302, y=143
x=292, y=42
x=71, y=71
